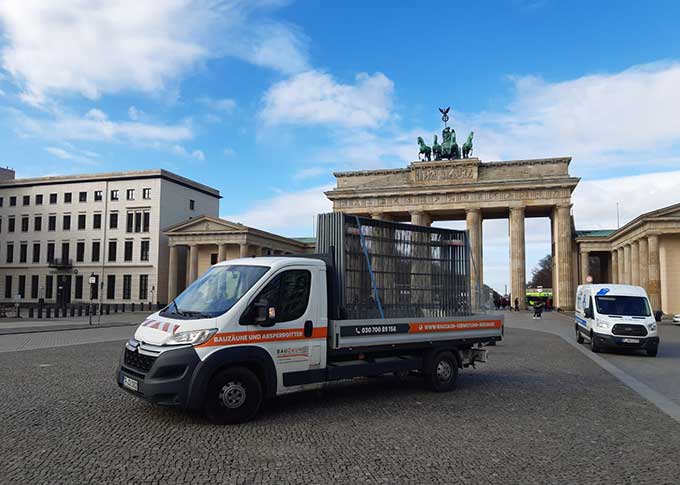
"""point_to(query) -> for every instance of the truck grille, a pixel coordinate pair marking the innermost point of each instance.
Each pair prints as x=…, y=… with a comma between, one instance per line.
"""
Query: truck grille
x=138, y=361
x=626, y=329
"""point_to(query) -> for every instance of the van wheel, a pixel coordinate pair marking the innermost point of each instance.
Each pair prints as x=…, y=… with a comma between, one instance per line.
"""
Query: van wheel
x=234, y=396
x=593, y=346
x=442, y=373
x=579, y=335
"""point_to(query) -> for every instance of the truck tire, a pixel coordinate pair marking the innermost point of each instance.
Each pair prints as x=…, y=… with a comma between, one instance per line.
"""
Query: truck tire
x=234, y=396
x=579, y=335
x=593, y=345
x=442, y=372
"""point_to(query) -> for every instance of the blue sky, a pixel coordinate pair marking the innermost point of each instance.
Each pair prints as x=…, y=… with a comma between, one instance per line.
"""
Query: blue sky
x=264, y=99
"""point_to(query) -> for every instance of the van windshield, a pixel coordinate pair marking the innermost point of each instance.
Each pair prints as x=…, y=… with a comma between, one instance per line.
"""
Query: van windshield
x=215, y=292
x=634, y=306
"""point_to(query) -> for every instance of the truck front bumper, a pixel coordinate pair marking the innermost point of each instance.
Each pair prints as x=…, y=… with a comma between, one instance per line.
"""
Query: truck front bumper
x=164, y=379
x=619, y=342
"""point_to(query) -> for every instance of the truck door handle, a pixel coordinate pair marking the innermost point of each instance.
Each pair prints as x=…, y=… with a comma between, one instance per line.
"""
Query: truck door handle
x=309, y=328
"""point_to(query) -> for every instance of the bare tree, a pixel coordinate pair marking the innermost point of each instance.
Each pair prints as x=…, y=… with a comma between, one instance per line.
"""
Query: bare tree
x=541, y=275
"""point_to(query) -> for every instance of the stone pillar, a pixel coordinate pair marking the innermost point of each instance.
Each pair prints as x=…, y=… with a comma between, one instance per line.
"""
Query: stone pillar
x=635, y=264
x=221, y=252
x=193, y=263
x=518, y=280
x=626, y=264
x=585, y=266
x=420, y=218
x=473, y=219
x=654, y=283
x=421, y=282
x=615, y=266
x=243, y=250
x=622, y=271
x=565, y=261
x=643, y=249
x=172, y=272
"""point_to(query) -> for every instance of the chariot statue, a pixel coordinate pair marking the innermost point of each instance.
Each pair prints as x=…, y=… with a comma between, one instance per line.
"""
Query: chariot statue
x=467, y=146
x=449, y=148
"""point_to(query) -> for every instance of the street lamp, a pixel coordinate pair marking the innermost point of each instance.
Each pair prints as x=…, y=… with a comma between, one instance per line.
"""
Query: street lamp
x=93, y=281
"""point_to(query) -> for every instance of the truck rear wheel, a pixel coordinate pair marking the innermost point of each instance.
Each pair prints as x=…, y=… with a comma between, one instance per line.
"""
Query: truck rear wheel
x=442, y=372
x=234, y=396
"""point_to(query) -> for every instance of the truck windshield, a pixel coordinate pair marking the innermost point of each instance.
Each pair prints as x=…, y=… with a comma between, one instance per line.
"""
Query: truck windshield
x=635, y=306
x=215, y=292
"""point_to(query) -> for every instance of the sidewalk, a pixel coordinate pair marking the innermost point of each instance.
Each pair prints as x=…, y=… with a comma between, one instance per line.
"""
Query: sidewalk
x=25, y=325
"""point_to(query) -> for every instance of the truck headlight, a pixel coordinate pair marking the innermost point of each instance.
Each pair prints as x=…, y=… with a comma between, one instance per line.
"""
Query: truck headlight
x=601, y=323
x=192, y=337
x=651, y=327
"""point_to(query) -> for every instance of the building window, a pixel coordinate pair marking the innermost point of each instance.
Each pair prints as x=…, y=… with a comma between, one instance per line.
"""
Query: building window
x=213, y=258
x=53, y=198
x=130, y=221
x=50, y=251
x=145, y=221
x=112, y=251
x=49, y=285
x=38, y=199
x=138, y=221
x=35, y=285
x=68, y=197
x=52, y=223
x=0, y=224
x=130, y=194
x=127, y=256
x=94, y=288
x=13, y=201
x=146, y=193
x=96, y=249
x=81, y=221
x=65, y=251
x=98, y=195
x=80, y=251
x=97, y=221
x=8, y=286
x=113, y=220
x=111, y=287
x=24, y=224
x=36, y=252
x=66, y=223
x=37, y=223
x=192, y=204
x=23, y=252
x=127, y=286
x=10, y=253
x=144, y=253
x=143, y=287
x=79, y=287
x=114, y=194
x=22, y=286
x=11, y=224
x=82, y=196
x=27, y=199
x=2, y=200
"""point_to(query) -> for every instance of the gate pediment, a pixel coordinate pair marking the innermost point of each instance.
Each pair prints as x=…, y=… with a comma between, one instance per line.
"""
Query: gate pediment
x=445, y=172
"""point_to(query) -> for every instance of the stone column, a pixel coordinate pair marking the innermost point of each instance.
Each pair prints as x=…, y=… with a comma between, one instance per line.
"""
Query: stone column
x=643, y=249
x=193, y=263
x=221, y=252
x=565, y=262
x=421, y=218
x=621, y=271
x=172, y=272
x=585, y=266
x=518, y=280
x=473, y=219
x=243, y=250
x=635, y=263
x=615, y=266
x=626, y=265
x=421, y=281
x=654, y=283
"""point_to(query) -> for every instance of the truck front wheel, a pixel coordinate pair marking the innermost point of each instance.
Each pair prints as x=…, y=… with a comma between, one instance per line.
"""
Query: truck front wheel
x=442, y=373
x=234, y=396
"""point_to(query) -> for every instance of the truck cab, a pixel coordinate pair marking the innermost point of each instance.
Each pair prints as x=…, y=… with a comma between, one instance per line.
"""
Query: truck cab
x=615, y=316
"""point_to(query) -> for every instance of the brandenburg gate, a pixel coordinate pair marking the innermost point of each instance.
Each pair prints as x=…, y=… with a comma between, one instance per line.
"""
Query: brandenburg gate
x=471, y=190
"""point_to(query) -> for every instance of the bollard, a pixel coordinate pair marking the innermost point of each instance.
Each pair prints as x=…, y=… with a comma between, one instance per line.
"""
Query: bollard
x=115, y=308
x=132, y=307
x=80, y=311
x=123, y=310
x=94, y=310
x=47, y=312
x=73, y=311
x=30, y=312
x=40, y=315
x=108, y=309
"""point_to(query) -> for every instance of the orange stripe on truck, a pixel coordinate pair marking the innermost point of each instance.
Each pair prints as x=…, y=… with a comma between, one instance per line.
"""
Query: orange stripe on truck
x=428, y=327
x=262, y=336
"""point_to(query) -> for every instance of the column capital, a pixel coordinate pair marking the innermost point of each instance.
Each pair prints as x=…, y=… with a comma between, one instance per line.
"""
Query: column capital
x=473, y=210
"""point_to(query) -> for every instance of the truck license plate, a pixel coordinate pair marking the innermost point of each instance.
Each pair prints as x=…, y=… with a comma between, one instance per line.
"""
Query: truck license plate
x=631, y=341
x=130, y=383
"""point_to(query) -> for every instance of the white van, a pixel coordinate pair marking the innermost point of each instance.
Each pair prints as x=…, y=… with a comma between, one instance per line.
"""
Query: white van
x=615, y=316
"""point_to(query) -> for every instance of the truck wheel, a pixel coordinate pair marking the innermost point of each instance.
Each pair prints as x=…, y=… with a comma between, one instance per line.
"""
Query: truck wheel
x=579, y=335
x=234, y=396
x=593, y=345
x=443, y=371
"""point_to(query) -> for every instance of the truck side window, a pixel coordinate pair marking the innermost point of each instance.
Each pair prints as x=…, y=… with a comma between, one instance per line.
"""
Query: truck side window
x=288, y=293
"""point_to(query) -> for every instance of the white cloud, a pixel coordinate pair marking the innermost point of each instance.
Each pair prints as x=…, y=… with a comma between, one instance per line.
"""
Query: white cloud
x=289, y=213
x=223, y=104
x=310, y=172
x=198, y=155
x=134, y=113
x=228, y=152
x=314, y=97
x=92, y=48
x=82, y=157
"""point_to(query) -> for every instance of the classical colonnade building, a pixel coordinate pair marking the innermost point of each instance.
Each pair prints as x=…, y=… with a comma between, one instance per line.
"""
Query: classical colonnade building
x=471, y=190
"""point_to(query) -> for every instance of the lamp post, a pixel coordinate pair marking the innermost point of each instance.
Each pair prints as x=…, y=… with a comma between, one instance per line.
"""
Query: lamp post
x=93, y=281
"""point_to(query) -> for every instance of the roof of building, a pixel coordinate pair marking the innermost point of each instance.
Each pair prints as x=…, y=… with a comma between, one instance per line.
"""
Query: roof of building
x=306, y=240
x=111, y=176
x=595, y=233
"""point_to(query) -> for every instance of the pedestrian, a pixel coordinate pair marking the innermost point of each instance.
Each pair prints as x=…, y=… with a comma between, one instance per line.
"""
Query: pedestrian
x=516, y=304
x=538, y=310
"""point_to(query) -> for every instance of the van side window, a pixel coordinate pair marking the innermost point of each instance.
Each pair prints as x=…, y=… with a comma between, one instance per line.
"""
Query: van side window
x=590, y=304
x=288, y=292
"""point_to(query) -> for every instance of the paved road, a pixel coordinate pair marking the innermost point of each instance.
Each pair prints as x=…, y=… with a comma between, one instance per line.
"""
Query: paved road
x=16, y=325
x=44, y=340
x=538, y=412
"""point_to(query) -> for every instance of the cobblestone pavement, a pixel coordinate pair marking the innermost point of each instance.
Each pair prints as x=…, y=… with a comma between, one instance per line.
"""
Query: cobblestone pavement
x=42, y=340
x=538, y=412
